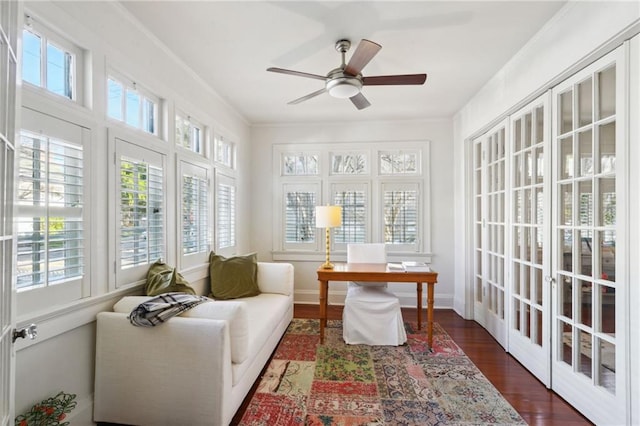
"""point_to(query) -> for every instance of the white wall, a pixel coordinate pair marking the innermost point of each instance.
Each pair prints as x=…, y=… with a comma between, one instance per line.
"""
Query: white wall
x=62, y=358
x=438, y=132
x=578, y=34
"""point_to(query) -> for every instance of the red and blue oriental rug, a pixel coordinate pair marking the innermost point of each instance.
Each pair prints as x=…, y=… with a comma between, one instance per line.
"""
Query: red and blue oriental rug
x=338, y=384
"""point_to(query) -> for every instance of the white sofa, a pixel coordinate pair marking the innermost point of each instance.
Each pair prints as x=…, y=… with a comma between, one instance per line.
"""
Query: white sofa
x=196, y=368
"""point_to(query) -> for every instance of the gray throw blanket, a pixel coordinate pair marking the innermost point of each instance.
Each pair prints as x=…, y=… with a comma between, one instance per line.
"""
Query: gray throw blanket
x=162, y=307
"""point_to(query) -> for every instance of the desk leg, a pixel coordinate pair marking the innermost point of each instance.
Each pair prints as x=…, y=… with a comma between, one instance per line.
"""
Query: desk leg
x=419, y=297
x=430, y=314
x=324, y=285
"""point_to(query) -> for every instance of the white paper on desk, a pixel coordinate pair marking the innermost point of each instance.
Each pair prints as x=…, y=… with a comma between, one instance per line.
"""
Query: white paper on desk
x=395, y=267
x=415, y=266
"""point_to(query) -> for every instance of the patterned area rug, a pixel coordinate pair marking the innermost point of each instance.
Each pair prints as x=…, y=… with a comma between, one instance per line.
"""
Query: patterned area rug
x=338, y=384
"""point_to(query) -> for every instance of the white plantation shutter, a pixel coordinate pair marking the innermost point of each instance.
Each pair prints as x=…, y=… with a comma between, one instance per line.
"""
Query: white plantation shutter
x=49, y=212
x=226, y=213
x=300, y=222
x=140, y=204
x=354, y=200
x=141, y=213
x=194, y=213
x=51, y=209
x=401, y=215
x=195, y=229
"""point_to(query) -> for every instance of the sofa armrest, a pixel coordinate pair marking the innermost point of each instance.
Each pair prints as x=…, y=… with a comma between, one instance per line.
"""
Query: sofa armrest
x=275, y=278
x=176, y=373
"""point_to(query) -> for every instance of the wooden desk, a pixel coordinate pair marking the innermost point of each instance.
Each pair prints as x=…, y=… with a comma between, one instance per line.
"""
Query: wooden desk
x=377, y=272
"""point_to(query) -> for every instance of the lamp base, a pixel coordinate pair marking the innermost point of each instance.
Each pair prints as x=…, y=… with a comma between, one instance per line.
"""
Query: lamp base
x=327, y=265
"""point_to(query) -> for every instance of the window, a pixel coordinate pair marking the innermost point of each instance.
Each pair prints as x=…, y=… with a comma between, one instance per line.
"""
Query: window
x=349, y=163
x=194, y=213
x=224, y=152
x=382, y=200
x=226, y=214
x=50, y=200
x=354, y=200
x=189, y=133
x=300, y=222
x=399, y=162
x=130, y=104
x=49, y=61
x=400, y=212
x=299, y=164
x=140, y=235
x=50, y=219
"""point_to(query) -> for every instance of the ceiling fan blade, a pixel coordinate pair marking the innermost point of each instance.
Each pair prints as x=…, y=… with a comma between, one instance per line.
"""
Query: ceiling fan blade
x=394, y=80
x=360, y=101
x=365, y=51
x=309, y=96
x=298, y=73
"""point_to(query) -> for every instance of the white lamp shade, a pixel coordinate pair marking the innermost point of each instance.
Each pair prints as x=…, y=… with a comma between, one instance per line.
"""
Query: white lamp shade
x=328, y=216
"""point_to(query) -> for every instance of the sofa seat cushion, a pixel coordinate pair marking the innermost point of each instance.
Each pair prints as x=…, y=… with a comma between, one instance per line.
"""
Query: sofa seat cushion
x=235, y=312
x=265, y=312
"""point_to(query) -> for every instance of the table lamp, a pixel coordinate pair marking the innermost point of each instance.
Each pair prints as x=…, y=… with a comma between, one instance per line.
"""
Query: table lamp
x=328, y=217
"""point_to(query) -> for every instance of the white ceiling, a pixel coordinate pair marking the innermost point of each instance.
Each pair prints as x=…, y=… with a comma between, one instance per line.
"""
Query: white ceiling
x=460, y=45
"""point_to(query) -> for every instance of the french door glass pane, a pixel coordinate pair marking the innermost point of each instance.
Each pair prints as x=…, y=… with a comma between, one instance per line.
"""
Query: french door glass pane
x=607, y=147
x=585, y=102
x=585, y=153
x=607, y=92
x=566, y=112
x=566, y=158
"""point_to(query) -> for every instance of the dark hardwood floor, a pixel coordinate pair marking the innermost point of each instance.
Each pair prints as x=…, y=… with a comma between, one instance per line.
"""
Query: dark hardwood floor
x=536, y=404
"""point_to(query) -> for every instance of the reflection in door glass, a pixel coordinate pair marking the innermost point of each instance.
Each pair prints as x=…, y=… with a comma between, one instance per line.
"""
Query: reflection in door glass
x=566, y=157
x=607, y=367
x=585, y=303
x=607, y=147
x=585, y=110
x=605, y=298
x=607, y=92
x=608, y=255
x=567, y=343
x=566, y=296
x=585, y=355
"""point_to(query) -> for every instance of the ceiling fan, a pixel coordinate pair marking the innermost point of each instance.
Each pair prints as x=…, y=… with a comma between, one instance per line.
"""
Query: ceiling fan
x=347, y=80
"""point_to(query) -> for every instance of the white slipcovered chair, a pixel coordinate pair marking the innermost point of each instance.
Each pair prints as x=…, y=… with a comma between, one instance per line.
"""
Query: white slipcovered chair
x=371, y=313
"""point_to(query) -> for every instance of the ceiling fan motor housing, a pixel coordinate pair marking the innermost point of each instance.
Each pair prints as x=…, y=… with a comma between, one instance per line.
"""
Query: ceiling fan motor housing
x=341, y=85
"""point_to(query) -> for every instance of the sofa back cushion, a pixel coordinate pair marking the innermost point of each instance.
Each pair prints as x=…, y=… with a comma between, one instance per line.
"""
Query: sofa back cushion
x=234, y=312
x=162, y=278
x=233, y=277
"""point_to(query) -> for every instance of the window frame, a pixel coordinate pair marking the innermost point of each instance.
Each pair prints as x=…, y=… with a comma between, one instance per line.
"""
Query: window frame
x=121, y=144
x=342, y=186
x=202, y=171
x=193, y=124
x=397, y=185
x=50, y=297
x=223, y=179
x=48, y=35
x=220, y=140
x=145, y=94
x=327, y=182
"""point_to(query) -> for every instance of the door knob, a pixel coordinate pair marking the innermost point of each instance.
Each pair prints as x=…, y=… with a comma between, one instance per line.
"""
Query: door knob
x=30, y=331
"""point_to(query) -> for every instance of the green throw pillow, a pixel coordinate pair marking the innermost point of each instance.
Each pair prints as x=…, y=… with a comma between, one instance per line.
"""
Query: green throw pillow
x=162, y=278
x=233, y=277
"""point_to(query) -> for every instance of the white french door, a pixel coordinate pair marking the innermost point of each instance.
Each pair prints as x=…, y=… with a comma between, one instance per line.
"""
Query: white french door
x=529, y=260
x=589, y=243
x=8, y=34
x=550, y=230
x=490, y=171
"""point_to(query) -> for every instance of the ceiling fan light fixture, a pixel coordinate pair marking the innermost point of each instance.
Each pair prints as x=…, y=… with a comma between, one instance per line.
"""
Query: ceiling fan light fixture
x=344, y=87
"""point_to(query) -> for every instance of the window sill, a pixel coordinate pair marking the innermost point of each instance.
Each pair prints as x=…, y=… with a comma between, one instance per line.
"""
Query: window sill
x=60, y=320
x=306, y=256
